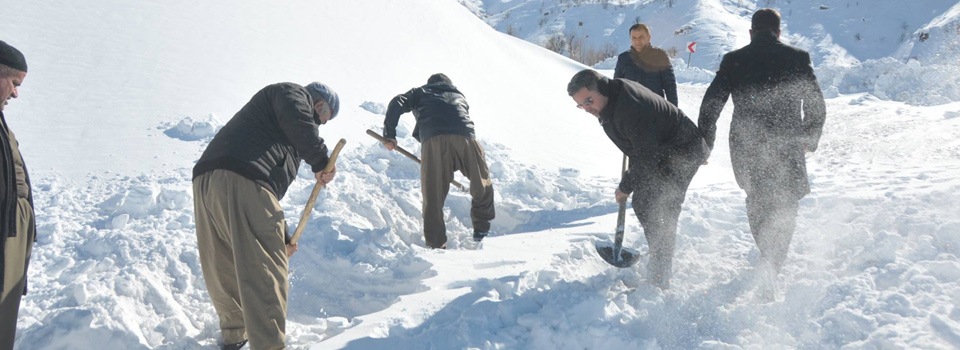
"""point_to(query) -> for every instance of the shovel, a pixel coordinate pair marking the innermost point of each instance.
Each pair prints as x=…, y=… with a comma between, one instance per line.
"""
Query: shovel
x=616, y=254
x=316, y=191
x=402, y=151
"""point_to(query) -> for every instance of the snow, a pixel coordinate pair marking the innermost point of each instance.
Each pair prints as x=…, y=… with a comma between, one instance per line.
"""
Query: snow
x=121, y=99
x=873, y=47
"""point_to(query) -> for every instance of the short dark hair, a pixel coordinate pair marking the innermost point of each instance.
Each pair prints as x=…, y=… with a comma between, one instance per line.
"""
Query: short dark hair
x=439, y=78
x=640, y=26
x=766, y=19
x=587, y=78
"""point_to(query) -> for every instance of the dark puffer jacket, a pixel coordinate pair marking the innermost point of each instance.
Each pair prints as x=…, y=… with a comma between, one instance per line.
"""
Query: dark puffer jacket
x=267, y=138
x=651, y=68
x=440, y=109
x=659, y=139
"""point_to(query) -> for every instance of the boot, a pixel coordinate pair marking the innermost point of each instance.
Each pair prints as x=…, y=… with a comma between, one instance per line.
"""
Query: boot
x=234, y=346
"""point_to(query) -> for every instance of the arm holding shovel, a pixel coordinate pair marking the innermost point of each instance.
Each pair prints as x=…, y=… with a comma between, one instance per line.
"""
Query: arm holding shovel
x=323, y=177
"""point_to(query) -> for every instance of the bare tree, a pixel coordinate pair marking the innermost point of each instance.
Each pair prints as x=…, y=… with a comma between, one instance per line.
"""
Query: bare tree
x=575, y=46
x=672, y=51
x=556, y=43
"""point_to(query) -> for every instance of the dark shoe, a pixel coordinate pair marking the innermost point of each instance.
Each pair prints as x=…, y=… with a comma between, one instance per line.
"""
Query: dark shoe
x=478, y=236
x=234, y=346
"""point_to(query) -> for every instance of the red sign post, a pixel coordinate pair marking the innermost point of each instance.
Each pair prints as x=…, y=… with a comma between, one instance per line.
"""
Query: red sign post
x=691, y=47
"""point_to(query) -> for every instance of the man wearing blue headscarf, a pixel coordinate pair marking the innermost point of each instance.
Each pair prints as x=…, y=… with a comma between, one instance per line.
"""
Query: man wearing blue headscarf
x=237, y=185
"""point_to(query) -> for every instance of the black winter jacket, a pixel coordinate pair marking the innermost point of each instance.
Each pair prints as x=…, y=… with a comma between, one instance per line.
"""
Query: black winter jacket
x=657, y=137
x=440, y=109
x=267, y=138
x=651, y=68
x=778, y=109
x=9, y=192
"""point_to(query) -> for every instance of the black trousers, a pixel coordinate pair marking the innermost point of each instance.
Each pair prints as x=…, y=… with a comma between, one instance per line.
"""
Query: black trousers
x=657, y=204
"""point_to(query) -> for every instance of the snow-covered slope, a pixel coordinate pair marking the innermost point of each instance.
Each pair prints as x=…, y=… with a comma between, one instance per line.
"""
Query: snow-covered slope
x=856, y=46
x=863, y=29
x=103, y=83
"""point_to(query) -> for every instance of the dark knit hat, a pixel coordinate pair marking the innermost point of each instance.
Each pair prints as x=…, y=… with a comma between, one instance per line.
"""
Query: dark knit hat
x=11, y=57
x=321, y=90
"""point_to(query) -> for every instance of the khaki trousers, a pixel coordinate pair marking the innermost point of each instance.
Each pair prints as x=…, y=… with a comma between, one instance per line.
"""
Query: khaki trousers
x=442, y=156
x=16, y=257
x=240, y=235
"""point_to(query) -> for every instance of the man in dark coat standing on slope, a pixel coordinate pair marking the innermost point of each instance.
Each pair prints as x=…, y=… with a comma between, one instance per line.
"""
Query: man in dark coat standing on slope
x=445, y=130
x=237, y=185
x=17, y=226
x=647, y=65
x=665, y=151
x=778, y=116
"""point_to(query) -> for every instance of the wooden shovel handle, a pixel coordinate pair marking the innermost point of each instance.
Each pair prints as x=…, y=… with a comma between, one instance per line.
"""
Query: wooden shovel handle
x=621, y=217
x=316, y=191
x=402, y=151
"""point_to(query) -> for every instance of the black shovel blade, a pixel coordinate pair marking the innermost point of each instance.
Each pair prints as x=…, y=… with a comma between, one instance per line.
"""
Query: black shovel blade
x=628, y=257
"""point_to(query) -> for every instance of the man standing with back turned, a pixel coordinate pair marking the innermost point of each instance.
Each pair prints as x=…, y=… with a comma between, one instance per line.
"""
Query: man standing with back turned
x=237, y=185
x=448, y=143
x=17, y=227
x=778, y=116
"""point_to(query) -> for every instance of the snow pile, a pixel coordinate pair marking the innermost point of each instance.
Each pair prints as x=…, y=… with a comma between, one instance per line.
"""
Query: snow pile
x=683, y=72
x=889, y=79
x=527, y=197
x=691, y=74
x=920, y=85
x=135, y=277
x=132, y=277
x=190, y=129
x=374, y=107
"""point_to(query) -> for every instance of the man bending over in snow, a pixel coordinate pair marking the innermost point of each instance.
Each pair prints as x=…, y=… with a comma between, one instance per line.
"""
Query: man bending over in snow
x=448, y=144
x=237, y=184
x=665, y=150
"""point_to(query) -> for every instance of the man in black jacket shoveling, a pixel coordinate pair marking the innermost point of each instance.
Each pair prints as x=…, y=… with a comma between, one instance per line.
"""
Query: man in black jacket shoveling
x=665, y=151
x=237, y=184
x=17, y=221
x=778, y=116
x=448, y=143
